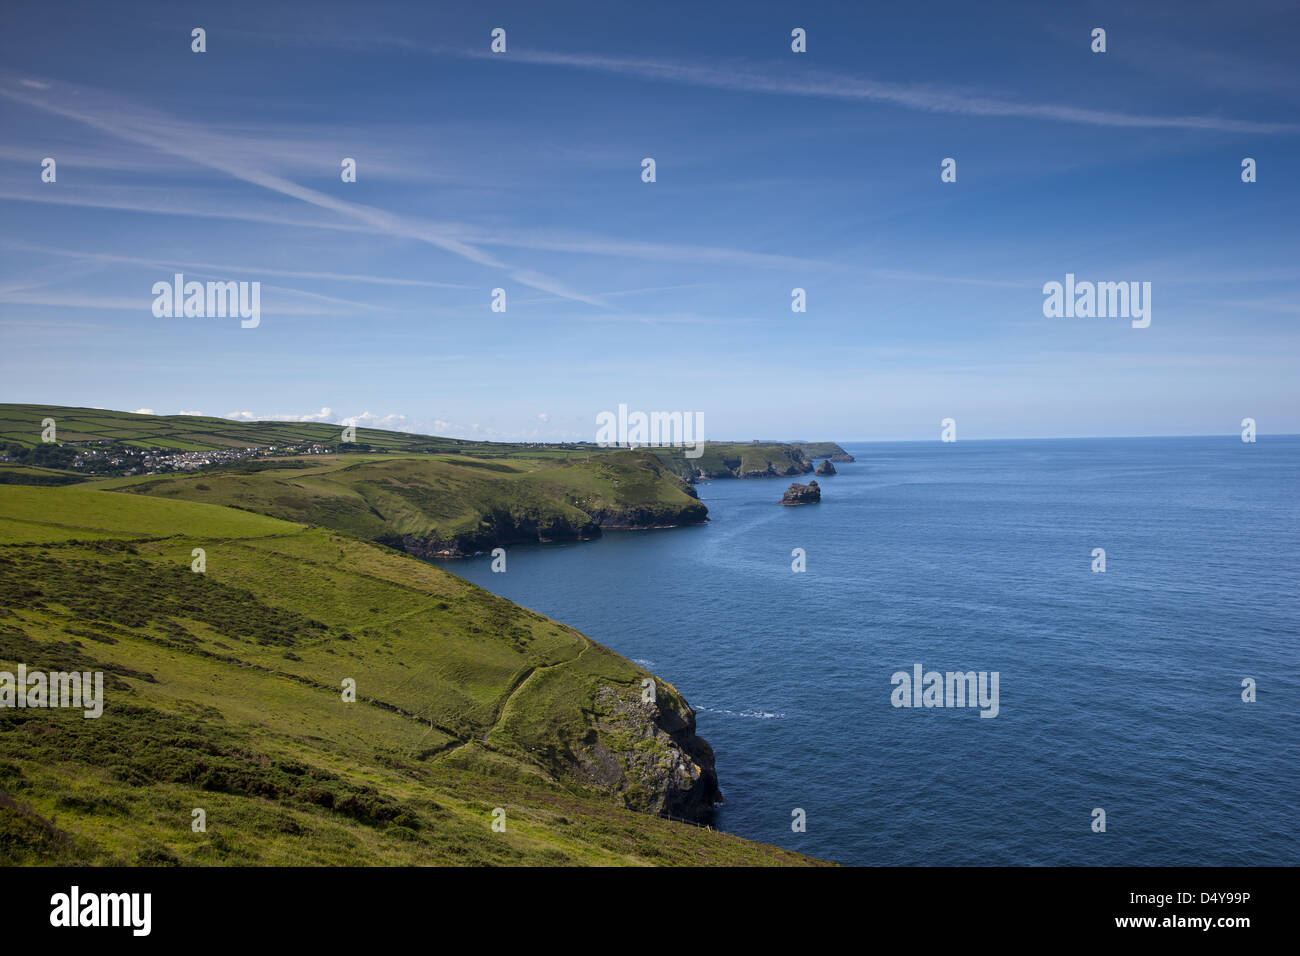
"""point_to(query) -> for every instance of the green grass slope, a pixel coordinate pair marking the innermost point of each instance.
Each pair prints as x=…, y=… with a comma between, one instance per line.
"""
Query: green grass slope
x=429, y=496
x=223, y=692
x=434, y=505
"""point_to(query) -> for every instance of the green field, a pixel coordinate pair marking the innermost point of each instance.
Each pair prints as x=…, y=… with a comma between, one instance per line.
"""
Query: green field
x=223, y=693
x=426, y=495
x=435, y=505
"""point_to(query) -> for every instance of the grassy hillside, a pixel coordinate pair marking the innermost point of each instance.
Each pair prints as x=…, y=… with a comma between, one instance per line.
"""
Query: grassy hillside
x=429, y=496
x=223, y=692
x=435, y=505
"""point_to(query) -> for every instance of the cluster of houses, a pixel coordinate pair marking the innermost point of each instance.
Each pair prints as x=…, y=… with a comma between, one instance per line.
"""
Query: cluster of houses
x=116, y=459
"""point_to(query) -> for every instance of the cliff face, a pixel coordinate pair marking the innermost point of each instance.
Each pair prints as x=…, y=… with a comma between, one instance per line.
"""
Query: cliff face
x=659, y=517
x=501, y=528
x=750, y=459
x=648, y=751
x=797, y=465
x=825, y=449
x=784, y=461
x=497, y=530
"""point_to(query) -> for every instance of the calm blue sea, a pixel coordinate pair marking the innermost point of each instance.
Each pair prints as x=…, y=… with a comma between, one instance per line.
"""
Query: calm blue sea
x=1118, y=690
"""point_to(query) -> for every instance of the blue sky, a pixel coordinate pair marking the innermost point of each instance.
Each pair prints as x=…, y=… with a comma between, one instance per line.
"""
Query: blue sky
x=775, y=170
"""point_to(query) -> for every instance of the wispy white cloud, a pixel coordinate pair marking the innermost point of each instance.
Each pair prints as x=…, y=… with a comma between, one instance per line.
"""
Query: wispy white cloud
x=144, y=303
x=521, y=238
x=305, y=149
x=751, y=78
x=648, y=251
x=925, y=98
x=903, y=276
x=1281, y=306
x=205, y=148
x=220, y=269
x=622, y=293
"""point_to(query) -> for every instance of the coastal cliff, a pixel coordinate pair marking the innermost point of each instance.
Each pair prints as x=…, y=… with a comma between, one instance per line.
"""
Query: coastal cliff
x=660, y=765
x=750, y=460
x=825, y=449
x=447, y=506
x=465, y=704
x=500, y=528
x=223, y=692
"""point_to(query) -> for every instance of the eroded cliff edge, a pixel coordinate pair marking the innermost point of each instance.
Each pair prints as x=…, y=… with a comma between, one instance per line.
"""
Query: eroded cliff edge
x=659, y=764
x=503, y=527
x=755, y=459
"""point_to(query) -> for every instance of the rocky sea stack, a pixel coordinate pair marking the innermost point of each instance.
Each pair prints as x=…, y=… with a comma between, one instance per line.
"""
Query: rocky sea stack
x=798, y=494
x=826, y=468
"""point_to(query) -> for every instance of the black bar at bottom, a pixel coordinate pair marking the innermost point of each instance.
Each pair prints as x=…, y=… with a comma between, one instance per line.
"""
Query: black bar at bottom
x=942, y=905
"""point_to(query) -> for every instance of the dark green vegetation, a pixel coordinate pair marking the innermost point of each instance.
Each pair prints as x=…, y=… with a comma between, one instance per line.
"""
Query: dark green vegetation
x=223, y=691
x=12, y=474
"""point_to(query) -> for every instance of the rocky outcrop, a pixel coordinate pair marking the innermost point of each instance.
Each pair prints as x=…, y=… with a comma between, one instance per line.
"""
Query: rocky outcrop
x=841, y=457
x=648, y=751
x=627, y=519
x=825, y=468
x=794, y=462
x=798, y=494
x=496, y=529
